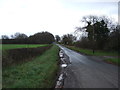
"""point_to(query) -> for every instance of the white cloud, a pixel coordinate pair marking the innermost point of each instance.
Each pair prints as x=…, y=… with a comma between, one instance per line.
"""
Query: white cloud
x=32, y=16
x=79, y=1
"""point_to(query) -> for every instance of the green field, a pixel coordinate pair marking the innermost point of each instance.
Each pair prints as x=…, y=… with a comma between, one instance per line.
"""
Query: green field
x=37, y=73
x=13, y=46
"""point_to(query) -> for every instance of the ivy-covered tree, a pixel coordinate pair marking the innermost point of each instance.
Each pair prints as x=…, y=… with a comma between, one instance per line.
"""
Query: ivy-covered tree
x=97, y=29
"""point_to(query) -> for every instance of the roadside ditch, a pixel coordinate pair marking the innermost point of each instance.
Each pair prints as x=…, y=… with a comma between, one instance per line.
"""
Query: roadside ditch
x=62, y=74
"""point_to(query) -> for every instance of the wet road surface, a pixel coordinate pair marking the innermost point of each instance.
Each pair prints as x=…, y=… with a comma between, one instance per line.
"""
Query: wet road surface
x=84, y=72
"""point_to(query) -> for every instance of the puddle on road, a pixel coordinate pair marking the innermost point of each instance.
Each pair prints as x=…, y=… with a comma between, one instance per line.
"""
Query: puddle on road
x=64, y=65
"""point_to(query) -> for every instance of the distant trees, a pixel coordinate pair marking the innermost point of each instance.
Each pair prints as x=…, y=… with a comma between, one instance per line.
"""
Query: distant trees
x=5, y=37
x=84, y=42
x=68, y=39
x=57, y=38
x=42, y=38
x=21, y=38
x=114, y=39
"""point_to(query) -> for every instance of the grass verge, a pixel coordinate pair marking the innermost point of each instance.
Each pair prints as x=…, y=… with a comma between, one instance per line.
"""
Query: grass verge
x=89, y=51
x=115, y=60
x=38, y=73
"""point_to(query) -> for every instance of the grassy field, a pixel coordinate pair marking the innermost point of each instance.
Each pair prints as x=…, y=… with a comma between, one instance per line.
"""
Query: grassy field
x=37, y=73
x=115, y=60
x=13, y=46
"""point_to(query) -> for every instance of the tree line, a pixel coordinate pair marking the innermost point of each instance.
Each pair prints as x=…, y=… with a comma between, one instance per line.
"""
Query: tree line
x=37, y=38
x=98, y=33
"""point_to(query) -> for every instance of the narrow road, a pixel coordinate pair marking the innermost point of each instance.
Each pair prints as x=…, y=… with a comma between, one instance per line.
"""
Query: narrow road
x=84, y=72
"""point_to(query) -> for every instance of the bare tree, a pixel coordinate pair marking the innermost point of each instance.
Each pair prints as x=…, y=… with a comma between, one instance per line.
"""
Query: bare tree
x=5, y=37
x=19, y=36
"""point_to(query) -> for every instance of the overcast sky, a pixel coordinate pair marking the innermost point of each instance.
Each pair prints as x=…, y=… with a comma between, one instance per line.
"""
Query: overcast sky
x=56, y=16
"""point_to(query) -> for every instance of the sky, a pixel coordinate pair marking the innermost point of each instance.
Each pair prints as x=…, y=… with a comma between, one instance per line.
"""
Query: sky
x=55, y=16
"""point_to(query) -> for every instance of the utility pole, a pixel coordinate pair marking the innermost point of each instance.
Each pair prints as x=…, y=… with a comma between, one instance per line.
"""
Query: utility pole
x=93, y=36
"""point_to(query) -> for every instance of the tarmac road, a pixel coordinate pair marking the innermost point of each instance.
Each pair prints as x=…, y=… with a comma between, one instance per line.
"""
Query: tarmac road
x=86, y=72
